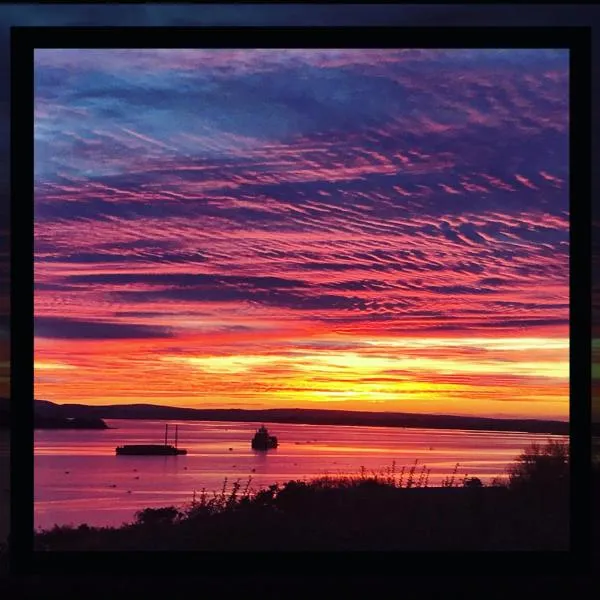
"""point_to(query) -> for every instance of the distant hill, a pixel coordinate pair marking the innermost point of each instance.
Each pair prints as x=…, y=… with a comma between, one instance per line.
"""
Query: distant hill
x=52, y=416
x=74, y=423
x=48, y=415
x=299, y=415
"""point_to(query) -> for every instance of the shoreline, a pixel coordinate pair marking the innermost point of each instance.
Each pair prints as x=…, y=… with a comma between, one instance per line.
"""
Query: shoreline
x=300, y=416
x=389, y=510
x=434, y=476
x=337, y=424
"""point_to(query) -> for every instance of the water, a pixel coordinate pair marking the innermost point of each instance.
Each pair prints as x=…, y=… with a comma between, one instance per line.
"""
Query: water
x=78, y=478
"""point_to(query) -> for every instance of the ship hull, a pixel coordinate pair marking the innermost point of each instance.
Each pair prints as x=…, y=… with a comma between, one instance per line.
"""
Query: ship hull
x=264, y=445
x=149, y=451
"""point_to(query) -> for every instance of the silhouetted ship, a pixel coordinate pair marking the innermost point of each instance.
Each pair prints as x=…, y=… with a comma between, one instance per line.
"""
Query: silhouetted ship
x=262, y=440
x=152, y=449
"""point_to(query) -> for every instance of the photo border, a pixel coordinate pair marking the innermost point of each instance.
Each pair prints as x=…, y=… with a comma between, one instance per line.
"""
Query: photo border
x=23, y=42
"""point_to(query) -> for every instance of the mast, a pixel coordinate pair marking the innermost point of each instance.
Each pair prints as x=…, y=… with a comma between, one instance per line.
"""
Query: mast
x=166, y=431
x=176, y=428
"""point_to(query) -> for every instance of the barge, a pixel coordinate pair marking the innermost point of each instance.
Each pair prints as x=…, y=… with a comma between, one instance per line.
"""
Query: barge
x=165, y=449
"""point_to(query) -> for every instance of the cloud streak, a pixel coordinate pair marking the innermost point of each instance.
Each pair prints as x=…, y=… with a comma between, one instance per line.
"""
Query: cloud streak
x=243, y=201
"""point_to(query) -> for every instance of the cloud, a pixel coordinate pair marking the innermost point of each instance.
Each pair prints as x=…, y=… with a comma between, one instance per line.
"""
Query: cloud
x=187, y=279
x=75, y=329
x=222, y=201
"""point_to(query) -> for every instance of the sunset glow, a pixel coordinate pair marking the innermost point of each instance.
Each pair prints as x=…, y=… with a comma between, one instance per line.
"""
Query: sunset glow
x=372, y=230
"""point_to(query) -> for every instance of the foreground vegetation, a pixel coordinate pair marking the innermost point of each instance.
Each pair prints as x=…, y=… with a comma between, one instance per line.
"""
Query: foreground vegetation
x=391, y=510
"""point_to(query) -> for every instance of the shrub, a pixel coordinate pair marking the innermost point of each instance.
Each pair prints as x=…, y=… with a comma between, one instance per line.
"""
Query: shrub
x=472, y=482
x=541, y=467
x=157, y=516
x=499, y=482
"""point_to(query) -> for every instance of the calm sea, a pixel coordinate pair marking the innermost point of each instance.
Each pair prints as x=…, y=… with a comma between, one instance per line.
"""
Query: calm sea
x=79, y=479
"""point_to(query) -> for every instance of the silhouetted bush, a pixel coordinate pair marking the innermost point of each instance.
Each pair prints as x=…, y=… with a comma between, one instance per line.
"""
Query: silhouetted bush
x=541, y=468
x=472, y=482
x=157, y=516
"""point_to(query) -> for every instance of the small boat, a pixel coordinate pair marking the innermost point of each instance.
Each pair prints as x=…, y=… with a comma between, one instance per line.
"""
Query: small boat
x=152, y=449
x=262, y=440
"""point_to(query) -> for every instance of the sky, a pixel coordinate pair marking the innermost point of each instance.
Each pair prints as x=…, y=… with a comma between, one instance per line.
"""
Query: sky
x=380, y=230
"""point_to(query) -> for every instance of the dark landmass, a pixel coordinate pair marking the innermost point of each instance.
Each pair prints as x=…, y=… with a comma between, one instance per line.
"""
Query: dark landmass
x=303, y=416
x=64, y=423
x=53, y=416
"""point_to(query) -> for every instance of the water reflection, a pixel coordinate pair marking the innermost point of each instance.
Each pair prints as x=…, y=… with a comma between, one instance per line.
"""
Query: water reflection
x=103, y=489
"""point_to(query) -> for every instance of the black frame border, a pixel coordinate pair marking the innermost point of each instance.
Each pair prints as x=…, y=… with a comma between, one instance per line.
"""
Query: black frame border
x=23, y=42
